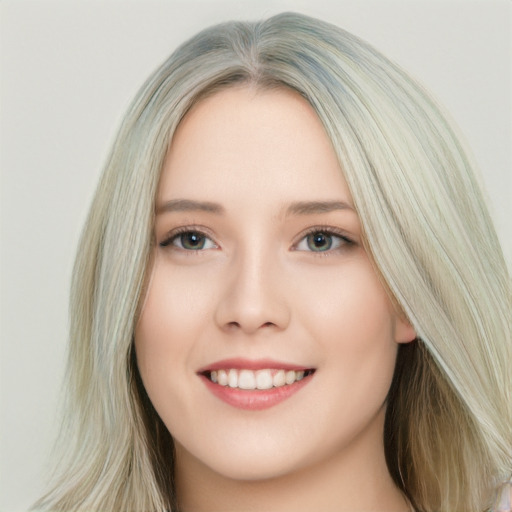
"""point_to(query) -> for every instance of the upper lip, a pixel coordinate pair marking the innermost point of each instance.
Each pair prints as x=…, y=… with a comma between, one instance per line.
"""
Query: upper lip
x=251, y=364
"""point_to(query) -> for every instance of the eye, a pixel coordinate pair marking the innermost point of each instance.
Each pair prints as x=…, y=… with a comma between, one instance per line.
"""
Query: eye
x=322, y=241
x=189, y=241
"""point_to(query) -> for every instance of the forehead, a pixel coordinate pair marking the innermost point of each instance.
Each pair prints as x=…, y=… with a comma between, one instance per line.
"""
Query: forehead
x=247, y=143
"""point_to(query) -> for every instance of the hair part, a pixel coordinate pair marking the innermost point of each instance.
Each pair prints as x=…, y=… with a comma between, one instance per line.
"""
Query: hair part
x=447, y=433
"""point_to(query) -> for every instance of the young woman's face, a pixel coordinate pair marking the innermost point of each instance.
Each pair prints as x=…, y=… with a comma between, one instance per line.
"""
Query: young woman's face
x=260, y=280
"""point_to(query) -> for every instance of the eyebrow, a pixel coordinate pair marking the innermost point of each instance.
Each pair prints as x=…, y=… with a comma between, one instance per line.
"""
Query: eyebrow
x=312, y=207
x=296, y=208
x=186, y=205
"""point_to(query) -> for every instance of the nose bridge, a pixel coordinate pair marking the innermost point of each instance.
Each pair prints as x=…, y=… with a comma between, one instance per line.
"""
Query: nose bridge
x=254, y=297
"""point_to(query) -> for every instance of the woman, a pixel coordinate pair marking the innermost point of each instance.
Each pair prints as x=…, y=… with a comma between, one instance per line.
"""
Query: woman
x=288, y=294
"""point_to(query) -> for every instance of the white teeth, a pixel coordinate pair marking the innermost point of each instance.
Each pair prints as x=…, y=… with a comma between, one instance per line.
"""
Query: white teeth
x=264, y=379
x=233, y=379
x=246, y=380
x=289, y=377
x=279, y=379
x=222, y=377
x=260, y=379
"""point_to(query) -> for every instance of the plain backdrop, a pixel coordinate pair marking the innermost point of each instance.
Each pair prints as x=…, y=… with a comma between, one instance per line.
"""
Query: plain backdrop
x=68, y=71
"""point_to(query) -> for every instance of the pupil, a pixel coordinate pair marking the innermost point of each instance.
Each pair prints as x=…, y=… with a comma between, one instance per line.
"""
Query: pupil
x=192, y=240
x=319, y=242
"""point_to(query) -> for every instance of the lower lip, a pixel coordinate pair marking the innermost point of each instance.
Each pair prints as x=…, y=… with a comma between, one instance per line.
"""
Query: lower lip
x=257, y=399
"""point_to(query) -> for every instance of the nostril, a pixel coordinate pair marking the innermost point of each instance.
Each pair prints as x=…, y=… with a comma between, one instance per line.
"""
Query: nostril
x=236, y=325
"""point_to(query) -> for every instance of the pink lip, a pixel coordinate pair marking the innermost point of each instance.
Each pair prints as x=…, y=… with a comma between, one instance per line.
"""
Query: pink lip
x=247, y=364
x=253, y=400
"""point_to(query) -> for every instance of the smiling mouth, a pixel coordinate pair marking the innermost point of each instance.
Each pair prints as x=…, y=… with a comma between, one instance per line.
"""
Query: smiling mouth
x=259, y=380
x=255, y=384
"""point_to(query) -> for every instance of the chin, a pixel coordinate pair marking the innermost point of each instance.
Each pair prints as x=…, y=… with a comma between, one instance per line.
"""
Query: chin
x=263, y=468
x=251, y=461
x=263, y=458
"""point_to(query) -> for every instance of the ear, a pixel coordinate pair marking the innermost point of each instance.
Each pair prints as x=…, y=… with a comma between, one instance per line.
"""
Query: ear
x=404, y=331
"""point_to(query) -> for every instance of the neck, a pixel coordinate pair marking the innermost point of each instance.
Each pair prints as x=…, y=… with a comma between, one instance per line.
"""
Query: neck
x=354, y=479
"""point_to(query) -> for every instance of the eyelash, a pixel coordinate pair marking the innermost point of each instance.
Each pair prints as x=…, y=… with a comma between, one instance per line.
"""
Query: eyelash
x=176, y=233
x=345, y=241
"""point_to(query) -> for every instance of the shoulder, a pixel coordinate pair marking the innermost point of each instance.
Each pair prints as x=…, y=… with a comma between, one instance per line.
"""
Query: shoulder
x=504, y=498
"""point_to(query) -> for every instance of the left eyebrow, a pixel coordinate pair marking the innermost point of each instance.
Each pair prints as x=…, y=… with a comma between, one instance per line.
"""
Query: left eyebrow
x=186, y=205
x=312, y=207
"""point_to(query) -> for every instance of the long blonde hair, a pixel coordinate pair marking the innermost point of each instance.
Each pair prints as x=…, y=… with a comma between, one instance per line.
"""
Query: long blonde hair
x=448, y=426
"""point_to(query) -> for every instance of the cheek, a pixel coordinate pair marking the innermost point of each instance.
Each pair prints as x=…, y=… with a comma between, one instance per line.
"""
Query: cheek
x=351, y=317
x=347, y=302
x=172, y=319
x=175, y=306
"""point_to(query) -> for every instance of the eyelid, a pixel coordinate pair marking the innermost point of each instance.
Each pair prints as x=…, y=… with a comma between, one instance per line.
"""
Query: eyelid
x=175, y=233
x=327, y=230
x=346, y=240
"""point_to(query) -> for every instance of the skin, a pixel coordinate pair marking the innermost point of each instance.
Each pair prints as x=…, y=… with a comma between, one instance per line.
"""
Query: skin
x=258, y=289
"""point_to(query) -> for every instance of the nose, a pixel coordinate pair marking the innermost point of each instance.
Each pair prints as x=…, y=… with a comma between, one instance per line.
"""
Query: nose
x=254, y=296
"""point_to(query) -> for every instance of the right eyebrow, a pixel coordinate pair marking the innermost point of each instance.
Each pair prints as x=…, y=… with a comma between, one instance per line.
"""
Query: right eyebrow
x=313, y=207
x=186, y=205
